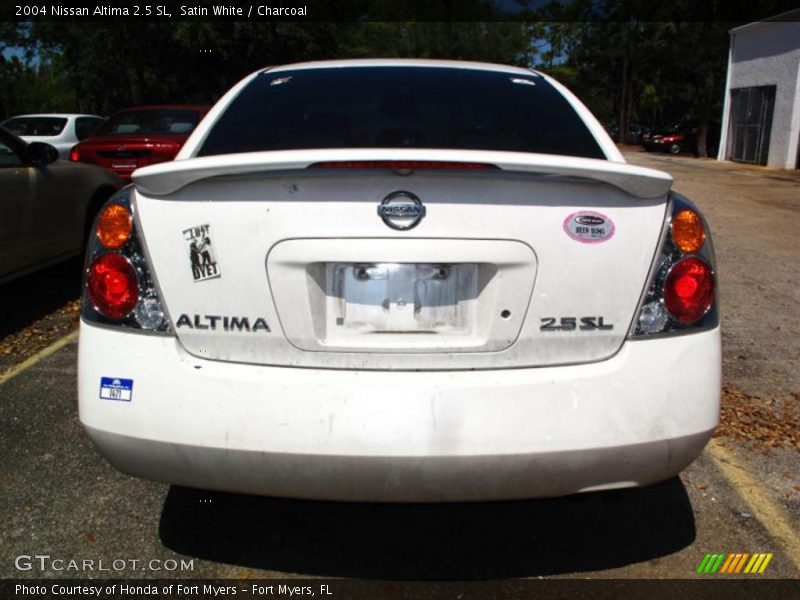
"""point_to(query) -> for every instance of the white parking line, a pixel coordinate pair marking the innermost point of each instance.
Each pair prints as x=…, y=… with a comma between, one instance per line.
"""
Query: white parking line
x=770, y=514
x=54, y=347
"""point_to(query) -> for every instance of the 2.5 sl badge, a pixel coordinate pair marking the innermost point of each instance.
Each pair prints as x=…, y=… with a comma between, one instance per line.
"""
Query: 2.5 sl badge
x=201, y=252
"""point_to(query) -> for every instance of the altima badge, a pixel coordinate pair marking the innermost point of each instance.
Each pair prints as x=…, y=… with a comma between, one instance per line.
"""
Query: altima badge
x=401, y=210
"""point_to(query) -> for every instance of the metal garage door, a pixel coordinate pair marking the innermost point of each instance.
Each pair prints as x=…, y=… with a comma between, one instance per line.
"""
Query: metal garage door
x=751, y=121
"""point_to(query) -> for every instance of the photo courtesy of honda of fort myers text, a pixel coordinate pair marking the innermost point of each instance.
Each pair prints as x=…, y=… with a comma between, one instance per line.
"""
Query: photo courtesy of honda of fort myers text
x=162, y=589
x=356, y=301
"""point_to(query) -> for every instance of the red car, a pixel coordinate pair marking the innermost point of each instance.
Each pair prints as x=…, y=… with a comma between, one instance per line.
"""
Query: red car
x=139, y=136
x=675, y=138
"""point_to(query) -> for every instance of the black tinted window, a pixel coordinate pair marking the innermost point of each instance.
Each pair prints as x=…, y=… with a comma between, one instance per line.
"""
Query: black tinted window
x=84, y=126
x=44, y=126
x=9, y=154
x=390, y=107
x=167, y=120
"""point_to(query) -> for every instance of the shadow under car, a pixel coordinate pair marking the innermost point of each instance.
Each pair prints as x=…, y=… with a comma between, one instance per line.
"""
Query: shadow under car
x=454, y=541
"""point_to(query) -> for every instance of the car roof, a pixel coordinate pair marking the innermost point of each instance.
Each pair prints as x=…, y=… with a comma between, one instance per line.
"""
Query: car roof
x=402, y=62
x=55, y=115
x=198, y=107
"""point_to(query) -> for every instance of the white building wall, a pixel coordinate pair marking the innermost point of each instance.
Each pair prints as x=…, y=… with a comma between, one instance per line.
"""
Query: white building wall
x=768, y=53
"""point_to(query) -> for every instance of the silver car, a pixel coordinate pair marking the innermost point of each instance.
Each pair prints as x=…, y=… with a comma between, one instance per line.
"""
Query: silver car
x=62, y=131
x=47, y=205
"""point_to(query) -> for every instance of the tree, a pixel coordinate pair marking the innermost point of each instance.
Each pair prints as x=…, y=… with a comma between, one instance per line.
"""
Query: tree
x=621, y=55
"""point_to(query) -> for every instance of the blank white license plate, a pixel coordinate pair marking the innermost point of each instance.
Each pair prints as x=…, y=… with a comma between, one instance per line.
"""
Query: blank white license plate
x=368, y=298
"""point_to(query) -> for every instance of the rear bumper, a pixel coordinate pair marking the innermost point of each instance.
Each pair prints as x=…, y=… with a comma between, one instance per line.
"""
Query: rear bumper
x=401, y=479
x=635, y=419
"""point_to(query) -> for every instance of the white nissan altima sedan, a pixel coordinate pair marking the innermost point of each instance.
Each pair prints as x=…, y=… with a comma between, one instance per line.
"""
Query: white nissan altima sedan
x=396, y=280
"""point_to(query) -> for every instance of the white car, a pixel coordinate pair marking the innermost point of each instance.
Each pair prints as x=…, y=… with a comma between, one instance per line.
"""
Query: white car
x=62, y=131
x=398, y=280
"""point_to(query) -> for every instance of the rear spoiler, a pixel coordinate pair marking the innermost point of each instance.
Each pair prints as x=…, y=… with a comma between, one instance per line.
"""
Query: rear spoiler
x=166, y=178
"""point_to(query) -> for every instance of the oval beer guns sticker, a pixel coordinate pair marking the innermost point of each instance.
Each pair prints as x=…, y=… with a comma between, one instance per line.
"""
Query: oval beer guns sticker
x=589, y=227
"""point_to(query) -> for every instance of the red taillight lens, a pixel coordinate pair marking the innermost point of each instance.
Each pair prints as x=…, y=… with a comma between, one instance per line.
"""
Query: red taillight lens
x=689, y=290
x=113, y=286
x=75, y=156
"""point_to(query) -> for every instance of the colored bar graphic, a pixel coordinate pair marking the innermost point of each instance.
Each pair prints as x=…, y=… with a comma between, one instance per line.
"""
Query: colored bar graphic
x=734, y=563
x=710, y=563
x=703, y=563
x=754, y=563
x=764, y=564
x=718, y=563
x=738, y=562
x=727, y=564
x=740, y=565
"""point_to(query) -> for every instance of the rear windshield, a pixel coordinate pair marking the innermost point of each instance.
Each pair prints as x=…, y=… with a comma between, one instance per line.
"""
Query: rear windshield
x=167, y=120
x=393, y=107
x=43, y=126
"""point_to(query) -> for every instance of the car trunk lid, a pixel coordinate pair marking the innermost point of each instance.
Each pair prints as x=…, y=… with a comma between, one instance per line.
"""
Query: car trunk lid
x=275, y=260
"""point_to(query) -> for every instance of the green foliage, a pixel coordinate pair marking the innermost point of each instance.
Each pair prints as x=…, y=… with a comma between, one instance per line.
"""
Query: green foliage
x=628, y=60
x=647, y=62
x=501, y=42
x=99, y=68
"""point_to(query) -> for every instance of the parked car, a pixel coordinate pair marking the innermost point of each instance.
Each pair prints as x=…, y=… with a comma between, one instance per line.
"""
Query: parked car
x=635, y=132
x=139, y=136
x=46, y=205
x=395, y=280
x=62, y=131
x=675, y=138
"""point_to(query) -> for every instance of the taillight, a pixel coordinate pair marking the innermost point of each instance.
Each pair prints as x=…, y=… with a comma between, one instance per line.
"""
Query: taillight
x=74, y=155
x=114, y=226
x=119, y=287
x=688, y=231
x=681, y=291
x=112, y=286
x=689, y=290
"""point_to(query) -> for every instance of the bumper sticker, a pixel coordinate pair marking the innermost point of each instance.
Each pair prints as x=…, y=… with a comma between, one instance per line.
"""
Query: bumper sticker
x=201, y=252
x=115, y=388
x=589, y=227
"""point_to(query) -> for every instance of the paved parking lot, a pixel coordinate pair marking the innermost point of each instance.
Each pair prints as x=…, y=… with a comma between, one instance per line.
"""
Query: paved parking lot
x=743, y=495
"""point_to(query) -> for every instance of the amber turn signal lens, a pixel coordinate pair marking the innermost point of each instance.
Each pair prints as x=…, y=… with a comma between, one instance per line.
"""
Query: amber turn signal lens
x=114, y=226
x=688, y=232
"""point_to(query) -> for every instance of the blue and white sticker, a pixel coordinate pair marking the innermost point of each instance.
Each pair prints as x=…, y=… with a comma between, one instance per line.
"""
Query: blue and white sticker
x=116, y=388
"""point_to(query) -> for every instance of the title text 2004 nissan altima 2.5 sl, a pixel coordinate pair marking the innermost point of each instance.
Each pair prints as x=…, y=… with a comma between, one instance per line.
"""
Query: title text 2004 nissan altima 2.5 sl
x=400, y=281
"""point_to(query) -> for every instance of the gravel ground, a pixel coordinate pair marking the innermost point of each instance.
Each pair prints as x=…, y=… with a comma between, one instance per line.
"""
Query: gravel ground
x=754, y=215
x=61, y=498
